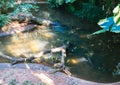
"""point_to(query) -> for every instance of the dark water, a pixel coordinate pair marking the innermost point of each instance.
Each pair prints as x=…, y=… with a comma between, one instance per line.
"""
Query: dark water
x=90, y=58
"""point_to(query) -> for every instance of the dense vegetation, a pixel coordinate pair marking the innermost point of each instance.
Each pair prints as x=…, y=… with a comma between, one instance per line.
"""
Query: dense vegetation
x=10, y=7
x=92, y=10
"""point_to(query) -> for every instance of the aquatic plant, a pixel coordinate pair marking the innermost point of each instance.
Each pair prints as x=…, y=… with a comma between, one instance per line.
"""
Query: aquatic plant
x=111, y=24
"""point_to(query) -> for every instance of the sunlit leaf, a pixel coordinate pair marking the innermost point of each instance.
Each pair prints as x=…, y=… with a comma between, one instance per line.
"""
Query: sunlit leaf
x=117, y=20
x=99, y=31
x=106, y=23
x=69, y=1
x=115, y=28
x=60, y=2
x=116, y=9
x=116, y=17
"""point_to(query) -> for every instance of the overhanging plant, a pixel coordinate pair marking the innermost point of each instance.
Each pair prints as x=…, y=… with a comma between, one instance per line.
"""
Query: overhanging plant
x=111, y=24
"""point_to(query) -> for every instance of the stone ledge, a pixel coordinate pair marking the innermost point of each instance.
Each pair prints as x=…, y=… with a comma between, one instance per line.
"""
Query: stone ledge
x=37, y=72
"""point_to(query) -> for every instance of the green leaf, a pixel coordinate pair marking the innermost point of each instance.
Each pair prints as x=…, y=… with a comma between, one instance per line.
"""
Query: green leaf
x=116, y=9
x=69, y=1
x=106, y=23
x=4, y=19
x=99, y=31
x=60, y=2
x=71, y=8
x=116, y=17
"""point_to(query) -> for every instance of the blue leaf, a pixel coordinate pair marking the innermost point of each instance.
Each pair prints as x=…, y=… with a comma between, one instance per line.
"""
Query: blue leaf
x=115, y=28
x=106, y=23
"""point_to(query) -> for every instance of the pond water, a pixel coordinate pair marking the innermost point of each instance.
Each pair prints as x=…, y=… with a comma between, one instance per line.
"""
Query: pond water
x=90, y=58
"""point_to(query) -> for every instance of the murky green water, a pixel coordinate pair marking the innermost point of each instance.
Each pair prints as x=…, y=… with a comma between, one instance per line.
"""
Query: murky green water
x=90, y=58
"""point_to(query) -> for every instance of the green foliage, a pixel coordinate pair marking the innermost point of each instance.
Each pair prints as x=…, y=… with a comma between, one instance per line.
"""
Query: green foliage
x=116, y=17
x=26, y=82
x=57, y=3
x=13, y=82
x=69, y=1
x=83, y=9
x=4, y=19
x=5, y=5
x=89, y=12
x=24, y=8
x=111, y=24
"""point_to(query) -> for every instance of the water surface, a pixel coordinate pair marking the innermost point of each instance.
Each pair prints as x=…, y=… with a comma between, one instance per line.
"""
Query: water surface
x=90, y=58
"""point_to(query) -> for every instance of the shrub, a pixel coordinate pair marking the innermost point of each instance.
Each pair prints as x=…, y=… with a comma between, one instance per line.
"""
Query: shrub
x=5, y=5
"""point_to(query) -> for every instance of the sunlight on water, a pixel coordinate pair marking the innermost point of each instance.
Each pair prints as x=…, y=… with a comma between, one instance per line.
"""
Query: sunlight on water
x=49, y=35
x=45, y=32
x=23, y=47
x=77, y=60
x=45, y=14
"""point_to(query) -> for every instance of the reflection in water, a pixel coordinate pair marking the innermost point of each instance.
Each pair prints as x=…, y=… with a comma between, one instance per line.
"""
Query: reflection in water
x=77, y=60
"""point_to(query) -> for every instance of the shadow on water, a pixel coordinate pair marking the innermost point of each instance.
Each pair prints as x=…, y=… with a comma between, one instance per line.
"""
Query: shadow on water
x=91, y=58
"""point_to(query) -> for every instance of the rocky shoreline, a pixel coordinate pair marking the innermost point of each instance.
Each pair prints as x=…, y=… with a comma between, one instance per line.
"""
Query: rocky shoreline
x=39, y=73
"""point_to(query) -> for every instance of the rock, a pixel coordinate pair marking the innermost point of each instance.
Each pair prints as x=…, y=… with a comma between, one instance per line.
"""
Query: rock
x=36, y=73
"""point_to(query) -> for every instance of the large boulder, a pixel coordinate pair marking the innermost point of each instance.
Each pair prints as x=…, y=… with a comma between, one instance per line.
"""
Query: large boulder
x=37, y=73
